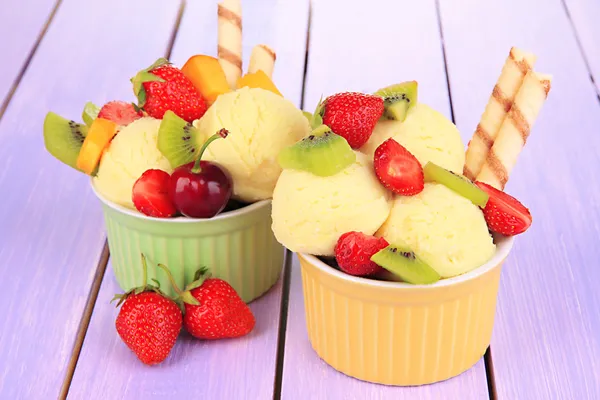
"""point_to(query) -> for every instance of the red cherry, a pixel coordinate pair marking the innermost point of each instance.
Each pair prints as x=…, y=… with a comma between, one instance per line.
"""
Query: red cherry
x=201, y=189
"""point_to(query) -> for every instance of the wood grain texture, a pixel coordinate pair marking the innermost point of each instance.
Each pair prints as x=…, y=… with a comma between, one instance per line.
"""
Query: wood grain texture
x=240, y=368
x=21, y=24
x=229, y=369
x=367, y=55
x=51, y=234
x=585, y=15
x=546, y=341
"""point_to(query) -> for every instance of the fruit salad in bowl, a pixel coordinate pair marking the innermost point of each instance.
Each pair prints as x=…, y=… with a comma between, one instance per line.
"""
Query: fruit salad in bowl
x=400, y=234
x=185, y=172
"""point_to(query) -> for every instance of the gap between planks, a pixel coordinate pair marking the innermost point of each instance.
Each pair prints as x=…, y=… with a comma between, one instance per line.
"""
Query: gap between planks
x=487, y=357
x=287, y=272
x=27, y=61
x=103, y=262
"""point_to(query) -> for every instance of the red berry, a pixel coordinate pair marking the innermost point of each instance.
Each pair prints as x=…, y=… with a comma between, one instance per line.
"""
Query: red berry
x=353, y=253
x=119, y=112
x=397, y=169
x=149, y=324
x=221, y=313
x=353, y=116
x=503, y=213
x=162, y=87
x=151, y=194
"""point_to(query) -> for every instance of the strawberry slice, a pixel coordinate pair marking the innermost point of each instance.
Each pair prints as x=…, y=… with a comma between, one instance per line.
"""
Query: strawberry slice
x=119, y=112
x=397, y=169
x=151, y=194
x=354, y=250
x=503, y=213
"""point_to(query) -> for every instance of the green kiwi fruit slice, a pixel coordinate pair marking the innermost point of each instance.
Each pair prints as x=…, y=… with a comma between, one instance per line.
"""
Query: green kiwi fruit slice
x=178, y=140
x=398, y=99
x=90, y=113
x=63, y=138
x=455, y=182
x=322, y=153
x=402, y=262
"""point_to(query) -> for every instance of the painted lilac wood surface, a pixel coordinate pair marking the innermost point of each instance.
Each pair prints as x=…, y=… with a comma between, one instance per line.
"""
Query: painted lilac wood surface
x=232, y=369
x=365, y=58
x=585, y=15
x=51, y=230
x=546, y=341
x=21, y=23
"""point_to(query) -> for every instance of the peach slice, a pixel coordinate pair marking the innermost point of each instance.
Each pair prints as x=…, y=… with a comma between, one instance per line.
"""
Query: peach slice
x=207, y=75
x=99, y=136
x=258, y=79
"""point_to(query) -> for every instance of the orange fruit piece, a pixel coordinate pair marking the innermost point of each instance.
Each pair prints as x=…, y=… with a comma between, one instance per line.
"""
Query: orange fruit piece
x=99, y=136
x=258, y=79
x=207, y=75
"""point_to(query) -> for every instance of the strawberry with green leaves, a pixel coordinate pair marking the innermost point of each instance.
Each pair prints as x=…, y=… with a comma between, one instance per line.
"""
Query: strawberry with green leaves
x=213, y=309
x=163, y=87
x=148, y=322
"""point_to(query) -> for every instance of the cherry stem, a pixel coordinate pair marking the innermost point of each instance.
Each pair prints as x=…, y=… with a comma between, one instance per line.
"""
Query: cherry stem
x=220, y=134
x=145, y=270
x=175, y=287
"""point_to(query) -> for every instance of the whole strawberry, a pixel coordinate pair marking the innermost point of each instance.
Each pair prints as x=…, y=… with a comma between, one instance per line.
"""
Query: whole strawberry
x=162, y=87
x=213, y=309
x=353, y=253
x=148, y=321
x=352, y=115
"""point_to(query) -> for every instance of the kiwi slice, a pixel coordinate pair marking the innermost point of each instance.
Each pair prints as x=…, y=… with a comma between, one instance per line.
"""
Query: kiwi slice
x=398, y=99
x=322, y=153
x=63, y=138
x=178, y=140
x=455, y=182
x=402, y=262
x=90, y=113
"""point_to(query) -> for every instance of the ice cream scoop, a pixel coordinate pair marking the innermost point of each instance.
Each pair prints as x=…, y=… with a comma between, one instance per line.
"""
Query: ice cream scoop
x=447, y=231
x=132, y=151
x=260, y=125
x=427, y=134
x=310, y=212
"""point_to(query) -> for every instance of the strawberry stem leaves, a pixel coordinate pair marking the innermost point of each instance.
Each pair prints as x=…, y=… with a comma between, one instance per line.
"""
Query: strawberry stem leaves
x=146, y=75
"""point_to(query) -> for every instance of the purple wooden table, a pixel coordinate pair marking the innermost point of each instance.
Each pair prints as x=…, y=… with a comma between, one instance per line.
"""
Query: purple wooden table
x=57, y=337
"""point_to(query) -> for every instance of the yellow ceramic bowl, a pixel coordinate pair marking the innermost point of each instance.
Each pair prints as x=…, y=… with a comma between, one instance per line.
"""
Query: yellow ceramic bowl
x=396, y=333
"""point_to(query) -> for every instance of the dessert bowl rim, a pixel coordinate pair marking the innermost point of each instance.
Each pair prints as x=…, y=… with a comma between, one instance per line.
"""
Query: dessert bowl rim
x=179, y=219
x=503, y=246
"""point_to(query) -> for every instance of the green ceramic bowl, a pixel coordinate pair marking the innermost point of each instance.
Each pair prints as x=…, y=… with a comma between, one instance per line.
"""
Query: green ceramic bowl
x=237, y=246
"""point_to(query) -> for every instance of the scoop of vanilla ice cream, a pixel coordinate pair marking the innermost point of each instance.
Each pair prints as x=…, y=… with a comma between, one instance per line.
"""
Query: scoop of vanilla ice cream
x=310, y=213
x=427, y=134
x=260, y=124
x=131, y=152
x=444, y=229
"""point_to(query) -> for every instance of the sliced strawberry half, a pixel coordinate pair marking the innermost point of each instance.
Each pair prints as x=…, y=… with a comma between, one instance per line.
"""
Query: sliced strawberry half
x=503, y=213
x=119, y=112
x=398, y=169
x=151, y=194
x=354, y=250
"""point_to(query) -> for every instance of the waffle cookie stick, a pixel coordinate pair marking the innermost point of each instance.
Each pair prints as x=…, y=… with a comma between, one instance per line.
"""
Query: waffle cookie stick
x=263, y=58
x=230, y=40
x=515, y=130
x=516, y=66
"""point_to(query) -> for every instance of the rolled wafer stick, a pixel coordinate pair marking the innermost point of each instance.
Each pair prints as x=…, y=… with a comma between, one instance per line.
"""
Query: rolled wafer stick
x=515, y=130
x=263, y=57
x=517, y=64
x=230, y=40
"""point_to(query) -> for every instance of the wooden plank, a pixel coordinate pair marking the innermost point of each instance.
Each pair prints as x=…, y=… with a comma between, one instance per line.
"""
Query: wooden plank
x=372, y=54
x=228, y=369
x=51, y=231
x=545, y=342
x=22, y=23
x=584, y=15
